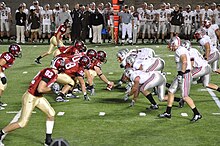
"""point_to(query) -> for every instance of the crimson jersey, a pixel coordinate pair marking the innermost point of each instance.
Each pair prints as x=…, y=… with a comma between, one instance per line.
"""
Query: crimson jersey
x=95, y=63
x=47, y=75
x=9, y=58
x=72, y=68
x=61, y=29
x=67, y=51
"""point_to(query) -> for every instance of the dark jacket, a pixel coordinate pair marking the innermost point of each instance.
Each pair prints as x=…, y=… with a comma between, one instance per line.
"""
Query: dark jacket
x=34, y=20
x=20, y=18
x=96, y=19
x=176, y=18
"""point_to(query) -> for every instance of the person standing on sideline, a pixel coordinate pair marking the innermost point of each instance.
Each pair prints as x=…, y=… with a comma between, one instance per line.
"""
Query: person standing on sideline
x=42, y=83
x=76, y=23
x=176, y=21
x=20, y=18
x=127, y=23
x=97, y=22
x=85, y=23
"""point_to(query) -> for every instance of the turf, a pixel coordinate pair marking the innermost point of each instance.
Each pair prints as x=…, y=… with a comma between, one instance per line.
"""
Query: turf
x=81, y=124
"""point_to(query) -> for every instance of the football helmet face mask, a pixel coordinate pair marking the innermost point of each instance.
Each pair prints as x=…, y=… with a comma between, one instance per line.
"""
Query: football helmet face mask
x=84, y=62
x=58, y=63
x=174, y=43
x=91, y=53
x=130, y=60
x=186, y=44
x=101, y=55
x=199, y=34
x=207, y=23
x=79, y=45
x=15, y=50
x=121, y=55
x=128, y=72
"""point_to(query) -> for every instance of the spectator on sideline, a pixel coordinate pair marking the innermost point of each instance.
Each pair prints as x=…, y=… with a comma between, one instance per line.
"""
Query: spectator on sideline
x=176, y=21
x=20, y=18
x=34, y=20
x=76, y=23
x=85, y=23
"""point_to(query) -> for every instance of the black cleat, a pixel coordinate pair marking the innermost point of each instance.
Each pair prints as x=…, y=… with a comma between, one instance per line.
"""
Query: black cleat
x=164, y=115
x=37, y=61
x=196, y=118
x=181, y=103
x=48, y=142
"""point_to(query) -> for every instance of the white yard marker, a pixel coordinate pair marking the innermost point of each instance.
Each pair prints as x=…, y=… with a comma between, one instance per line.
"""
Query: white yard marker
x=214, y=97
x=60, y=113
x=136, y=46
x=116, y=46
x=216, y=114
x=171, y=55
x=184, y=114
x=157, y=46
x=142, y=114
x=168, y=73
x=101, y=113
x=35, y=46
x=110, y=73
x=25, y=72
x=15, y=112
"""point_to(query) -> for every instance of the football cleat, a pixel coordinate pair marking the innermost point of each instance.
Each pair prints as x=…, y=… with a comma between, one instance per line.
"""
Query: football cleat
x=1, y=144
x=164, y=115
x=86, y=97
x=48, y=142
x=70, y=95
x=2, y=108
x=3, y=104
x=132, y=103
x=196, y=118
x=181, y=103
x=37, y=61
x=61, y=99
x=154, y=107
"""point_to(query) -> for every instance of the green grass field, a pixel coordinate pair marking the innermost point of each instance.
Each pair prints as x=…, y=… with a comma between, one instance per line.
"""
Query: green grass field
x=81, y=124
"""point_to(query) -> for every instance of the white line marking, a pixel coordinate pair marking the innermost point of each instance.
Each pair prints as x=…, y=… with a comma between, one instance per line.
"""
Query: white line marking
x=25, y=72
x=168, y=73
x=171, y=55
x=15, y=112
x=184, y=114
x=15, y=119
x=216, y=113
x=60, y=113
x=214, y=97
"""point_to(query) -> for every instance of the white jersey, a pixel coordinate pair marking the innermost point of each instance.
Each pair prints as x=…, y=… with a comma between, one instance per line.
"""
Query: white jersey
x=46, y=15
x=217, y=16
x=211, y=33
x=206, y=39
x=188, y=16
x=151, y=14
x=163, y=14
x=56, y=15
x=182, y=51
x=4, y=13
x=197, y=16
x=144, y=53
x=144, y=63
x=143, y=76
x=206, y=14
x=199, y=61
x=142, y=14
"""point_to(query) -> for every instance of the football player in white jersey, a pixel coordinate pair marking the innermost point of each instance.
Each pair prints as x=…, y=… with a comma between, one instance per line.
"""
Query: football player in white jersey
x=200, y=68
x=6, y=19
x=197, y=12
x=211, y=53
x=46, y=19
x=151, y=25
x=183, y=79
x=216, y=15
x=188, y=17
x=163, y=16
x=212, y=30
x=56, y=12
x=206, y=13
x=142, y=18
x=136, y=24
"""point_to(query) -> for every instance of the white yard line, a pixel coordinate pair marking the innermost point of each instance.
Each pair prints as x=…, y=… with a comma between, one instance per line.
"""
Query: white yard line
x=214, y=97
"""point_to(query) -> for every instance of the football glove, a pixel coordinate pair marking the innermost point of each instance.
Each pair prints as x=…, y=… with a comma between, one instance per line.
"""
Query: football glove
x=180, y=79
x=55, y=88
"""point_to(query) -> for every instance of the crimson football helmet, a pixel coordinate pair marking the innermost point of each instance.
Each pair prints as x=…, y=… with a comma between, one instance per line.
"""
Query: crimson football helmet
x=199, y=33
x=58, y=63
x=79, y=44
x=84, y=61
x=174, y=43
x=101, y=55
x=15, y=50
x=91, y=53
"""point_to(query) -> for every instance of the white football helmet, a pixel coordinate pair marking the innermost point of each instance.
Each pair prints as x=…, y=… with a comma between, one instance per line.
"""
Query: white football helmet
x=207, y=23
x=128, y=72
x=174, y=43
x=199, y=33
x=130, y=60
x=186, y=44
x=121, y=55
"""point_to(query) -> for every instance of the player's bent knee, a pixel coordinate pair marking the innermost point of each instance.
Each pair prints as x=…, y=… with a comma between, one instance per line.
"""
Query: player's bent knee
x=22, y=123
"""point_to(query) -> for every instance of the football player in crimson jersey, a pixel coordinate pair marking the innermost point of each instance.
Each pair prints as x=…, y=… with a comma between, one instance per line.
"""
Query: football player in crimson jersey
x=75, y=68
x=56, y=40
x=42, y=83
x=97, y=59
x=6, y=60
